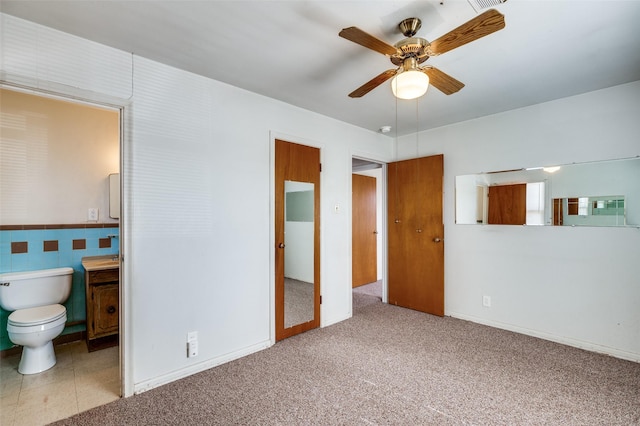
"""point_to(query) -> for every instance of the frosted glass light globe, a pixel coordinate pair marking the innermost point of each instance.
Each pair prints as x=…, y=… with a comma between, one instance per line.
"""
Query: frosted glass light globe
x=410, y=84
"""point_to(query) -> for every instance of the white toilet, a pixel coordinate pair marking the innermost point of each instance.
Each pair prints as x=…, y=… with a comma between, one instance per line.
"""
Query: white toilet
x=38, y=317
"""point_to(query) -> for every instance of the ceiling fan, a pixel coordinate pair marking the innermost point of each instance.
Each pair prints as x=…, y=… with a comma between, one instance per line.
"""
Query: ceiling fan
x=411, y=80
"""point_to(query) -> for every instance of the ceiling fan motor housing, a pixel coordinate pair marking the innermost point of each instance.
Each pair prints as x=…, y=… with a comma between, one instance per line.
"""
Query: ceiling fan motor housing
x=413, y=47
x=410, y=47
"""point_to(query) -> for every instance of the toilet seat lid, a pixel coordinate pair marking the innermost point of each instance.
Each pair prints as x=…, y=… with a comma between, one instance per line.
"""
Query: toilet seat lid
x=36, y=316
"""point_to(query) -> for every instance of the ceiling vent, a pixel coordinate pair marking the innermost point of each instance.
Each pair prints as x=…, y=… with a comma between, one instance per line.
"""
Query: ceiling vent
x=480, y=5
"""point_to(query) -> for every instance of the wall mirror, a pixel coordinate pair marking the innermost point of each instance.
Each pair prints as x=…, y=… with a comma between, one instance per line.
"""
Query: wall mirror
x=600, y=193
x=298, y=253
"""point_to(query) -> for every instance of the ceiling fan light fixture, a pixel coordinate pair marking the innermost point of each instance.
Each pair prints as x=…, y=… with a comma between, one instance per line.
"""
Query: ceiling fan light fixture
x=410, y=84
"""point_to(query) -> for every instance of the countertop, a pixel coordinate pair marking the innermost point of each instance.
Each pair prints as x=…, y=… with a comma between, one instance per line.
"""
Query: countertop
x=97, y=263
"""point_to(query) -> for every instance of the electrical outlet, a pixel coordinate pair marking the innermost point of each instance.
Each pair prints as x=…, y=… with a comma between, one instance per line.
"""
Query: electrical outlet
x=486, y=301
x=192, y=344
x=92, y=214
x=192, y=349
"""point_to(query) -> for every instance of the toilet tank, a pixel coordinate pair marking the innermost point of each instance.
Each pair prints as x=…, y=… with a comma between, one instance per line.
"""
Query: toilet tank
x=20, y=290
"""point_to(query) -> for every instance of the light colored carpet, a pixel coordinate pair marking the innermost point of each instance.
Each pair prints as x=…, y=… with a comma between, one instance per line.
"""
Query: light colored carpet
x=393, y=366
x=372, y=289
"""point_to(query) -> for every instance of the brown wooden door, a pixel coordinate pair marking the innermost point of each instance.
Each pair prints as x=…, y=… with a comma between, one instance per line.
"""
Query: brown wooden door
x=364, y=233
x=298, y=163
x=508, y=204
x=416, y=234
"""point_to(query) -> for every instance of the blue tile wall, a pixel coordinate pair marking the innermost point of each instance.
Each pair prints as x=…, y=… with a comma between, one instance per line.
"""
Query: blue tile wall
x=36, y=258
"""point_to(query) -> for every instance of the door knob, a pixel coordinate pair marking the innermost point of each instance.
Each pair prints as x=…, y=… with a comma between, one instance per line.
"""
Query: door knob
x=281, y=245
x=436, y=240
x=111, y=309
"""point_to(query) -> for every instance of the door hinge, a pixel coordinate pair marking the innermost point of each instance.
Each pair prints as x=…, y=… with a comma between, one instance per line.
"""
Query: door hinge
x=321, y=299
x=320, y=164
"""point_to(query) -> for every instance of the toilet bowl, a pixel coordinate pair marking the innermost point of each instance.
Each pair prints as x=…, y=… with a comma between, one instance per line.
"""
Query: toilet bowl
x=34, y=329
x=38, y=317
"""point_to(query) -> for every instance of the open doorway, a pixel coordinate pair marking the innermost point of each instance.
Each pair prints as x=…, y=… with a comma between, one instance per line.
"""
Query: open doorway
x=367, y=233
x=57, y=155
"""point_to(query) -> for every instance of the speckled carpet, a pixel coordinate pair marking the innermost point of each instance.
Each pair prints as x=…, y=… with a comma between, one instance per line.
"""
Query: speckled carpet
x=393, y=366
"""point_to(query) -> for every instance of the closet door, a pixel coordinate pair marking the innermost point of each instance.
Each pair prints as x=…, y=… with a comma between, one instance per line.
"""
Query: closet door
x=416, y=240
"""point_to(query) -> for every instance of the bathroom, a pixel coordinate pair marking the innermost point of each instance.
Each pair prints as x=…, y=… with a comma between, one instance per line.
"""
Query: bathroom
x=55, y=160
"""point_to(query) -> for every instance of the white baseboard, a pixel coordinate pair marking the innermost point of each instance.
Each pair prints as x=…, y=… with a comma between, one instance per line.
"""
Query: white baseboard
x=196, y=368
x=593, y=347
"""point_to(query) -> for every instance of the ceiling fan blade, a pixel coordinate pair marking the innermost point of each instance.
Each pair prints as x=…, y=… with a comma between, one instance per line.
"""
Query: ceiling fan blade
x=373, y=83
x=442, y=81
x=356, y=35
x=480, y=26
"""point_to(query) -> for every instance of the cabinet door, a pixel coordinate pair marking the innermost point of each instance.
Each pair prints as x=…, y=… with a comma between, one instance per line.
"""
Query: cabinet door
x=105, y=309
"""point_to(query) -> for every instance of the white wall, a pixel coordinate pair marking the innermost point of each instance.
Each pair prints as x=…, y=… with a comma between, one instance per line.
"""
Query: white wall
x=197, y=256
x=55, y=159
x=579, y=286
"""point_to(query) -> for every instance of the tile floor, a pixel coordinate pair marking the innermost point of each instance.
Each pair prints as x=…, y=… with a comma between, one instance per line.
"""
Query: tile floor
x=79, y=381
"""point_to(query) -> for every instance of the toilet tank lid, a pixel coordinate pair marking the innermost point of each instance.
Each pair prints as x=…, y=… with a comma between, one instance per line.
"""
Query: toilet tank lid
x=37, y=315
x=25, y=275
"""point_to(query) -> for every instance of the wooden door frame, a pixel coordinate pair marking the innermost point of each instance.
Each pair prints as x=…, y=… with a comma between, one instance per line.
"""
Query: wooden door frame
x=273, y=135
x=383, y=248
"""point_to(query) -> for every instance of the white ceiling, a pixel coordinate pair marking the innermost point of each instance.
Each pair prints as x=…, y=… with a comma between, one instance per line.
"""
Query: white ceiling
x=291, y=51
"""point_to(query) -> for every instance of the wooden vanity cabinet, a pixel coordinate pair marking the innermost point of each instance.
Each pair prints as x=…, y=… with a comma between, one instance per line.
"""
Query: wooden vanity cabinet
x=102, y=292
